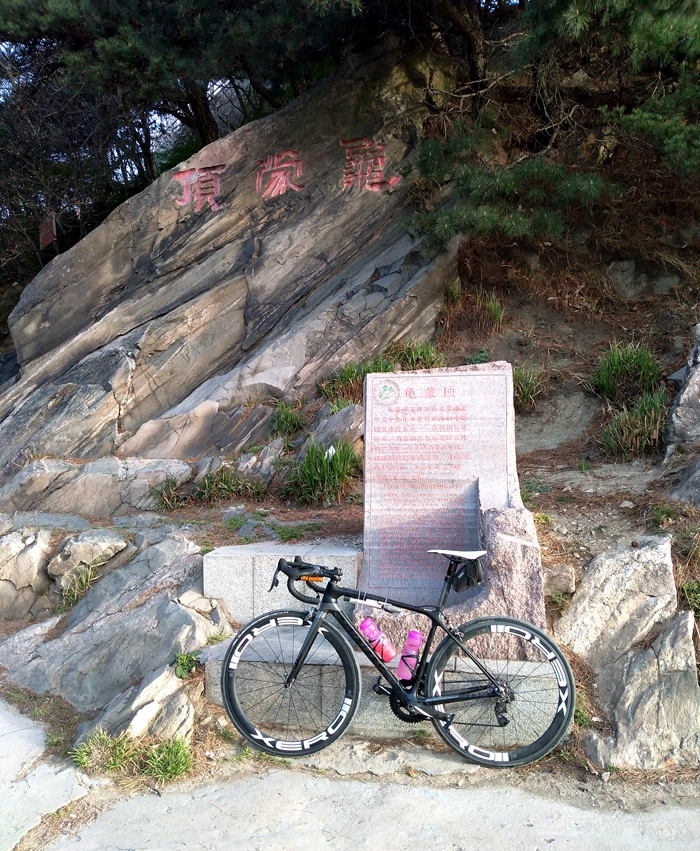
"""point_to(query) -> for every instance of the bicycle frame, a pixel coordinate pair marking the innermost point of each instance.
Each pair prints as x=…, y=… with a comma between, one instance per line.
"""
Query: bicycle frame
x=409, y=694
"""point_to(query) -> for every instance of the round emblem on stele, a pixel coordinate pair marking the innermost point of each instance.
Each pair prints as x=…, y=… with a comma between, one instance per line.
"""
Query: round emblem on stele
x=387, y=392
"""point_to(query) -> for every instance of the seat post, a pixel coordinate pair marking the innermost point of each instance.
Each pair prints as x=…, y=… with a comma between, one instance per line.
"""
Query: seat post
x=448, y=584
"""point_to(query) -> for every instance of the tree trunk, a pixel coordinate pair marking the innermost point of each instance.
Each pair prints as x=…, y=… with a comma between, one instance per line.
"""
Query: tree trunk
x=466, y=18
x=205, y=123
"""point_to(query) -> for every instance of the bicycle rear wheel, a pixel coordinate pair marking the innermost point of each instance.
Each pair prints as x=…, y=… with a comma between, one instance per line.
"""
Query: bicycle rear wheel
x=535, y=706
x=307, y=715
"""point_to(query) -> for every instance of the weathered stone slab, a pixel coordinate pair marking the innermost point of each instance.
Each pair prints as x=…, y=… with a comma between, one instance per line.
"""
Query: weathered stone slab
x=439, y=445
x=683, y=424
x=23, y=577
x=346, y=425
x=89, y=550
x=241, y=576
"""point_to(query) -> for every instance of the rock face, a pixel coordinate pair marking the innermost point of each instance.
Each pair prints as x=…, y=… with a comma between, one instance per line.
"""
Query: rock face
x=127, y=625
x=158, y=706
x=267, y=259
x=24, y=555
x=624, y=623
x=86, y=552
x=348, y=425
x=101, y=488
x=683, y=425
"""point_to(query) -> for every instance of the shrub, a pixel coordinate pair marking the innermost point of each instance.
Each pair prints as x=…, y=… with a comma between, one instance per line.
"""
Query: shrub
x=185, y=663
x=130, y=757
x=414, y=355
x=637, y=431
x=287, y=421
x=528, y=383
x=224, y=484
x=323, y=474
x=625, y=372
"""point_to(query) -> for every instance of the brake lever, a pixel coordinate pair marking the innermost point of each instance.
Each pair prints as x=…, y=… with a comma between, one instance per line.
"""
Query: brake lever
x=275, y=581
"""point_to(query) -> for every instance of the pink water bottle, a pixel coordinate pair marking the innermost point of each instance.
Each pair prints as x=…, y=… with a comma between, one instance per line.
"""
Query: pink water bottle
x=378, y=641
x=409, y=655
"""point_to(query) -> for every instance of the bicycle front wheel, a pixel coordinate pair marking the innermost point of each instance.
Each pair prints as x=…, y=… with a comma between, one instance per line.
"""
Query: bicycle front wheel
x=535, y=704
x=289, y=719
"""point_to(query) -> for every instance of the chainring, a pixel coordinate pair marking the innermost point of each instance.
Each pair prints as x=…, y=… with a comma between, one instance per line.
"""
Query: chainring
x=403, y=713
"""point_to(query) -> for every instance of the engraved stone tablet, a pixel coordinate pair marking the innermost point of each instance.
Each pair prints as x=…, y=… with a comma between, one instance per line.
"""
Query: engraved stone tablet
x=439, y=446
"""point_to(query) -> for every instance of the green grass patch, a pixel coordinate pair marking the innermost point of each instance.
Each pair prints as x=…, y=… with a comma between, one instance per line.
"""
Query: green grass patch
x=490, y=309
x=638, y=431
x=322, y=476
x=626, y=372
x=345, y=385
x=528, y=383
x=168, y=495
x=690, y=595
x=129, y=757
x=224, y=484
x=582, y=716
x=482, y=357
x=233, y=524
x=293, y=533
x=79, y=586
x=287, y=421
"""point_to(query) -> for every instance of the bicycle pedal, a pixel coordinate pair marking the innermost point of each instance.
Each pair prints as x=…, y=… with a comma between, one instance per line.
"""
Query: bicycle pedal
x=379, y=688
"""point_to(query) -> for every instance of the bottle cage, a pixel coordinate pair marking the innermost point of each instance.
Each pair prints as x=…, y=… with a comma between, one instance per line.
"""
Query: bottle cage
x=468, y=575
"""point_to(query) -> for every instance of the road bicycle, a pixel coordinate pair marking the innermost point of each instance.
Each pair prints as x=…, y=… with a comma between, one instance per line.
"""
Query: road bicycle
x=497, y=690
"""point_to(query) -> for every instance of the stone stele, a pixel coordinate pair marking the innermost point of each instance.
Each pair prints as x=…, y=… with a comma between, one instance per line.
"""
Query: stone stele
x=440, y=474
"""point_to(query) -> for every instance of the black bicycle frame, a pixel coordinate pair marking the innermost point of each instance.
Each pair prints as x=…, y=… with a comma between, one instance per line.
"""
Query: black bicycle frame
x=409, y=694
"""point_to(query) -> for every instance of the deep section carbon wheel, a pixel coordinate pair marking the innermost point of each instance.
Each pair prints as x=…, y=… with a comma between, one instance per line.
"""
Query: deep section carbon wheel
x=534, y=703
x=285, y=718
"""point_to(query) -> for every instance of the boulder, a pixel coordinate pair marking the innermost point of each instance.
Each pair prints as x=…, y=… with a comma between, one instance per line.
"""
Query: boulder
x=622, y=596
x=158, y=706
x=261, y=465
x=102, y=488
x=83, y=553
x=24, y=555
x=683, y=423
x=347, y=425
x=559, y=578
x=171, y=315
x=623, y=622
x=126, y=625
x=688, y=489
x=655, y=703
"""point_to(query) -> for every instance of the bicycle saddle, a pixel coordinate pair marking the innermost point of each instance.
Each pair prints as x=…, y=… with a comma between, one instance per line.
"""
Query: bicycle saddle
x=470, y=555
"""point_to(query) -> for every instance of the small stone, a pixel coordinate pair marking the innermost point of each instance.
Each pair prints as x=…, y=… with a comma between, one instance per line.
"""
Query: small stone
x=626, y=504
x=605, y=776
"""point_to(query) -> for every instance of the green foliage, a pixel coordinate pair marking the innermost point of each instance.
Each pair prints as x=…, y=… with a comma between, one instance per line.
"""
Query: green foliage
x=102, y=752
x=583, y=464
x=168, y=760
x=293, y=533
x=690, y=595
x=413, y=355
x=224, y=484
x=625, y=372
x=482, y=357
x=185, y=663
x=287, y=421
x=169, y=496
x=525, y=200
x=345, y=385
x=669, y=121
x=322, y=476
x=637, y=431
x=560, y=601
x=233, y=524
x=79, y=586
x=491, y=310
x=581, y=715
x=528, y=383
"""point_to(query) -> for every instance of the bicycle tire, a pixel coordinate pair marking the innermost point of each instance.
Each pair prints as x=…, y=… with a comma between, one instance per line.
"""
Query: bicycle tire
x=540, y=689
x=315, y=710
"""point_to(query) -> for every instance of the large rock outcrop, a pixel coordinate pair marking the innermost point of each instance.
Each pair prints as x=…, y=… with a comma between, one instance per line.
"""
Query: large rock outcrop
x=625, y=624
x=260, y=264
x=127, y=625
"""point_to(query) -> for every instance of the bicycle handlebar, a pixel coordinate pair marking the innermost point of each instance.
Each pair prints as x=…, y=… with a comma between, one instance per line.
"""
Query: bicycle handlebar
x=300, y=570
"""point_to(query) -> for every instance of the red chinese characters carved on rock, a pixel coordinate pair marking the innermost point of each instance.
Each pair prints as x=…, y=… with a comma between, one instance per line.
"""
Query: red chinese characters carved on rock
x=364, y=165
x=207, y=186
x=276, y=173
